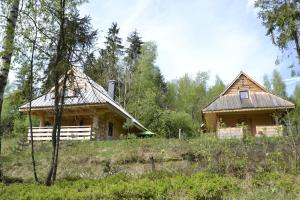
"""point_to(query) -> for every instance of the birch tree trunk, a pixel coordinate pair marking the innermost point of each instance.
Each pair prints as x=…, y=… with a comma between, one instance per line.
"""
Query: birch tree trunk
x=6, y=54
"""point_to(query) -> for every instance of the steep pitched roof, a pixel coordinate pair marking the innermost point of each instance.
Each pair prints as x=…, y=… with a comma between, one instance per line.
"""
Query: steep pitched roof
x=248, y=77
x=257, y=100
x=90, y=93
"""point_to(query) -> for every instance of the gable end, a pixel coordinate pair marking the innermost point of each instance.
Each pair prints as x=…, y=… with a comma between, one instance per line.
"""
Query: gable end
x=243, y=83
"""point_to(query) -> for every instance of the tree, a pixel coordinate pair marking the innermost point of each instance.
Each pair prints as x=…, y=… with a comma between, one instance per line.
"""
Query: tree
x=134, y=50
x=190, y=95
x=215, y=90
x=133, y=53
x=108, y=65
x=108, y=61
x=294, y=115
x=278, y=84
x=74, y=39
x=64, y=39
x=146, y=94
x=281, y=19
x=6, y=55
x=267, y=83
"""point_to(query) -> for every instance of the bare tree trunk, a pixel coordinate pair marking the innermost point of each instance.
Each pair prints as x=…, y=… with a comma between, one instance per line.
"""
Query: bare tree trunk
x=6, y=54
x=54, y=131
x=58, y=111
x=59, y=127
x=29, y=112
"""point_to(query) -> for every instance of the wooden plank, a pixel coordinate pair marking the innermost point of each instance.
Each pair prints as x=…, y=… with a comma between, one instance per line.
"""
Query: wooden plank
x=61, y=130
x=67, y=133
x=269, y=131
x=62, y=127
x=63, y=138
x=230, y=132
x=62, y=134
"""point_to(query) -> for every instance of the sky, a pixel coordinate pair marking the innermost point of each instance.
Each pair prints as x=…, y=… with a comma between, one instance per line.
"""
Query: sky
x=222, y=37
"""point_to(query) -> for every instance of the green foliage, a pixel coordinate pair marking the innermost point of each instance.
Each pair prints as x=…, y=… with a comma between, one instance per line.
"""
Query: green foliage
x=267, y=83
x=190, y=95
x=146, y=100
x=106, y=66
x=275, y=181
x=294, y=115
x=134, y=50
x=215, y=90
x=171, y=121
x=281, y=19
x=12, y=120
x=11, y=116
x=211, y=186
x=278, y=84
x=199, y=168
x=120, y=186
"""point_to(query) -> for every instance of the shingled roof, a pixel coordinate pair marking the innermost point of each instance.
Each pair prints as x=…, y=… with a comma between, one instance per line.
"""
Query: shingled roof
x=90, y=93
x=262, y=100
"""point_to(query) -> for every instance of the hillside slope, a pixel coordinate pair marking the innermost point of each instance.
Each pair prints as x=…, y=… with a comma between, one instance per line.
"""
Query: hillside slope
x=254, y=165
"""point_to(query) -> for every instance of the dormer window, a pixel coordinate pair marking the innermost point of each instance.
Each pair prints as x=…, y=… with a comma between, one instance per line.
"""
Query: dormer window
x=244, y=94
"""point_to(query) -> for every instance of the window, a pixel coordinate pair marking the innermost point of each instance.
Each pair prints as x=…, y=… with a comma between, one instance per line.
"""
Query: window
x=244, y=94
x=110, y=129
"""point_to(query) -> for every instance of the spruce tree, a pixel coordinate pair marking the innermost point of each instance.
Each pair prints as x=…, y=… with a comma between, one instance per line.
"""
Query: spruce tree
x=133, y=52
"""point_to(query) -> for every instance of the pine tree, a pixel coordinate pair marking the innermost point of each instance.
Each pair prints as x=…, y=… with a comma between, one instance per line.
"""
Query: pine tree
x=134, y=50
x=108, y=65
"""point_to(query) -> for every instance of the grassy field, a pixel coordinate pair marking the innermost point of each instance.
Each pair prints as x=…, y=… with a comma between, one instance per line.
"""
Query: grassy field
x=198, y=168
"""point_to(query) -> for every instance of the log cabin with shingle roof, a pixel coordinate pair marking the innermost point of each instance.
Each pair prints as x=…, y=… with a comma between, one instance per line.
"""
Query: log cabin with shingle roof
x=90, y=112
x=246, y=106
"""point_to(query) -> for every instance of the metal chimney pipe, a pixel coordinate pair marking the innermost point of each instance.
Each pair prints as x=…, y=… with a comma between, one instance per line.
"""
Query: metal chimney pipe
x=112, y=89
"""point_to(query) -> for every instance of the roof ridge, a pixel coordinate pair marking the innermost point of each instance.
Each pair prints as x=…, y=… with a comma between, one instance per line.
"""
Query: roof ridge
x=237, y=77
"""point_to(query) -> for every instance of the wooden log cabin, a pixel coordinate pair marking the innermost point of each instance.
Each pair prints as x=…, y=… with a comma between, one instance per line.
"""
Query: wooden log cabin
x=246, y=107
x=90, y=112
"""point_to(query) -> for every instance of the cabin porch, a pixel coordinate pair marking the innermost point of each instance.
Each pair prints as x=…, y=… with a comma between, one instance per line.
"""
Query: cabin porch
x=236, y=124
x=81, y=124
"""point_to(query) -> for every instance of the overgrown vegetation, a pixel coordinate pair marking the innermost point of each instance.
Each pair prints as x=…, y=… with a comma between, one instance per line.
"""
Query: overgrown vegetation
x=150, y=186
x=199, y=168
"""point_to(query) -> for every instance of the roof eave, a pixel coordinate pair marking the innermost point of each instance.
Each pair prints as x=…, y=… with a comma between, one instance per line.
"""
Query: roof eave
x=247, y=109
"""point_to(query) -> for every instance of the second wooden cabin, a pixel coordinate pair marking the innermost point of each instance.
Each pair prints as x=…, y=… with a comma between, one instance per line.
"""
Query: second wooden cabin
x=246, y=107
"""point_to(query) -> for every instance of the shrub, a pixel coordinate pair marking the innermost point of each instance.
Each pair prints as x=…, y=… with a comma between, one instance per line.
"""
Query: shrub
x=211, y=186
x=171, y=122
x=274, y=181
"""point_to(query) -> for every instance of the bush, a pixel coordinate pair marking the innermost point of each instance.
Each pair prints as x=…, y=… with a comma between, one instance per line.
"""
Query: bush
x=120, y=186
x=171, y=122
x=211, y=186
x=274, y=181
